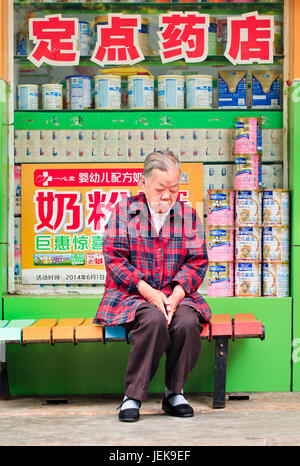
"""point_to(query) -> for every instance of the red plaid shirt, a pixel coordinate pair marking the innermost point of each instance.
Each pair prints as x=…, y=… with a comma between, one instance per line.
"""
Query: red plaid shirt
x=133, y=251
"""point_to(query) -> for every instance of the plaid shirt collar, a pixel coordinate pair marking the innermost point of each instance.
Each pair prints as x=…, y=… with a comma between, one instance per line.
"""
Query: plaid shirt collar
x=140, y=206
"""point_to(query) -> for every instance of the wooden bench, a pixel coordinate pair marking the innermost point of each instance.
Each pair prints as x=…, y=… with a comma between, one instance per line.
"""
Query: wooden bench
x=221, y=328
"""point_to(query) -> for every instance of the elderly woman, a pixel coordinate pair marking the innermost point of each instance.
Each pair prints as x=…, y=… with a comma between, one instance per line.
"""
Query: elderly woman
x=155, y=257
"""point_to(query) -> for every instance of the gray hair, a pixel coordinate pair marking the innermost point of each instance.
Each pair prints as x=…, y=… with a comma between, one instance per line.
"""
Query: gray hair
x=162, y=160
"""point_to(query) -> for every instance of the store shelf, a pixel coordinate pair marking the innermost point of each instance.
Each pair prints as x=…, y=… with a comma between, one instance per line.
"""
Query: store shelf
x=151, y=60
x=149, y=7
x=142, y=119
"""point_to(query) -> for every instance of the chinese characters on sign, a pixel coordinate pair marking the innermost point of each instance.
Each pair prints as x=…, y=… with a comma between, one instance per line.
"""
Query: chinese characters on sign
x=117, y=41
x=181, y=36
x=250, y=39
x=67, y=207
x=56, y=41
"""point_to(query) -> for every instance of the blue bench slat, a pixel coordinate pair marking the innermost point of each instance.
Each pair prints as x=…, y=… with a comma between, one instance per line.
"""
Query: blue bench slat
x=117, y=332
x=12, y=331
x=3, y=323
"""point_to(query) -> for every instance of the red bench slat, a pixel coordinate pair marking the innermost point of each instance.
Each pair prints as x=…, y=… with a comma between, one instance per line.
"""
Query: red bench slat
x=246, y=325
x=221, y=324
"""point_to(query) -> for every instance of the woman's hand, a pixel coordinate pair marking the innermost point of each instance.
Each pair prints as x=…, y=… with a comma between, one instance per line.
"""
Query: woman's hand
x=173, y=301
x=155, y=297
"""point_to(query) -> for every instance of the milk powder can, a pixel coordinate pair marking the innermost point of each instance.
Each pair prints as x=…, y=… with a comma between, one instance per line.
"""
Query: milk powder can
x=52, y=96
x=212, y=36
x=247, y=135
x=276, y=206
x=140, y=92
x=276, y=243
x=220, y=242
x=28, y=97
x=79, y=92
x=248, y=242
x=220, y=279
x=107, y=92
x=171, y=91
x=84, y=38
x=276, y=279
x=199, y=91
x=247, y=172
x=248, y=207
x=247, y=278
x=220, y=207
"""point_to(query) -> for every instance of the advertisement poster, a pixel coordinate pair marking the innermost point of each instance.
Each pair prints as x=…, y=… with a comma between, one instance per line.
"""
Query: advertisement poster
x=65, y=208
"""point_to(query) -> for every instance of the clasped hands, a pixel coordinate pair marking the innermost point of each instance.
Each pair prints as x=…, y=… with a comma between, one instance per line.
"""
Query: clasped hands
x=167, y=305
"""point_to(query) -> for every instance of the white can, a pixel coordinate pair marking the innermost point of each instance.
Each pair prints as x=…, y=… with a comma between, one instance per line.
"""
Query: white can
x=276, y=243
x=140, y=92
x=247, y=278
x=199, y=90
x=28, y=97
x=276, y=279
x=248, y=243
x=52, y=96
x=248, y=207
x=170, y=92
x=79, y=92
x=107, y=92
x=84, y=38
x=276, y=207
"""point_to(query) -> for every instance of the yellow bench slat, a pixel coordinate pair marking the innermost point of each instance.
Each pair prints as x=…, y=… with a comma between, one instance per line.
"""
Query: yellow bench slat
x=39, y=331
x=64, y=330
x=89, y=331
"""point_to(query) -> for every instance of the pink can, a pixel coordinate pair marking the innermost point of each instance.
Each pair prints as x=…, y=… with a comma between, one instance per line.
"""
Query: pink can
x=247, y=136
x=220, y=242
x=247, y=172
x=220, y=207
x=220, y=279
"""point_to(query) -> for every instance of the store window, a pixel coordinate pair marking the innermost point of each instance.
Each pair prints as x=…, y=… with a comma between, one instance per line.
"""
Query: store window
x=97, y=86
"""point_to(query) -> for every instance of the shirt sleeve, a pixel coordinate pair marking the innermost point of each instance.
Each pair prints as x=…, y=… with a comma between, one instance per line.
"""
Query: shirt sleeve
x=192, y=272
x=116, y=252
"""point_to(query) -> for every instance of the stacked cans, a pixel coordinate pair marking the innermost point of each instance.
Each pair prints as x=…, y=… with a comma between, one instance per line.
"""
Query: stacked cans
x=248, y=242
x=276, y=242
x=247, y=151
x=220, y=242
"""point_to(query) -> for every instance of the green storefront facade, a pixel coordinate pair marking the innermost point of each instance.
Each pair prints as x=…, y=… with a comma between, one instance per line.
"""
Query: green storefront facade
x=95, y=368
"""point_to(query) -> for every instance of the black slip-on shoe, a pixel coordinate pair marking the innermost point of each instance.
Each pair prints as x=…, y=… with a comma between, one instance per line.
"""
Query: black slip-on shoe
x=130, y=414
x=181, y=410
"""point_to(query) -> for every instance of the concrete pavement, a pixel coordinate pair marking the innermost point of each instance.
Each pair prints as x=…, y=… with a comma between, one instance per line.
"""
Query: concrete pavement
x=264, y=419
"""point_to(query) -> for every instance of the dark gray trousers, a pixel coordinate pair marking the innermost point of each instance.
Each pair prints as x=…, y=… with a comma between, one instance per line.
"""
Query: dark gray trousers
x=150, y=338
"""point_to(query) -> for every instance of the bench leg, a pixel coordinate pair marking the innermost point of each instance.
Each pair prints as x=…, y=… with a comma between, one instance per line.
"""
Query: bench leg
x=220, y=372
x=4, y=386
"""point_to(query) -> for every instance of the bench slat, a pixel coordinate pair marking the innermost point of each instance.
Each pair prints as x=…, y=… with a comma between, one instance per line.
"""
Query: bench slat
x=89, y=331
x=221, y=324
x=64, y=330
x=115, y=333
x=40, y=331
x=3, y=323
x=13, y=330
x=246, y=325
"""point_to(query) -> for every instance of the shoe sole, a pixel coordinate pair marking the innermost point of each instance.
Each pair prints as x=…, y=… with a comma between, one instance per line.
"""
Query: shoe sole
x=128, y=419
x=170, y=413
